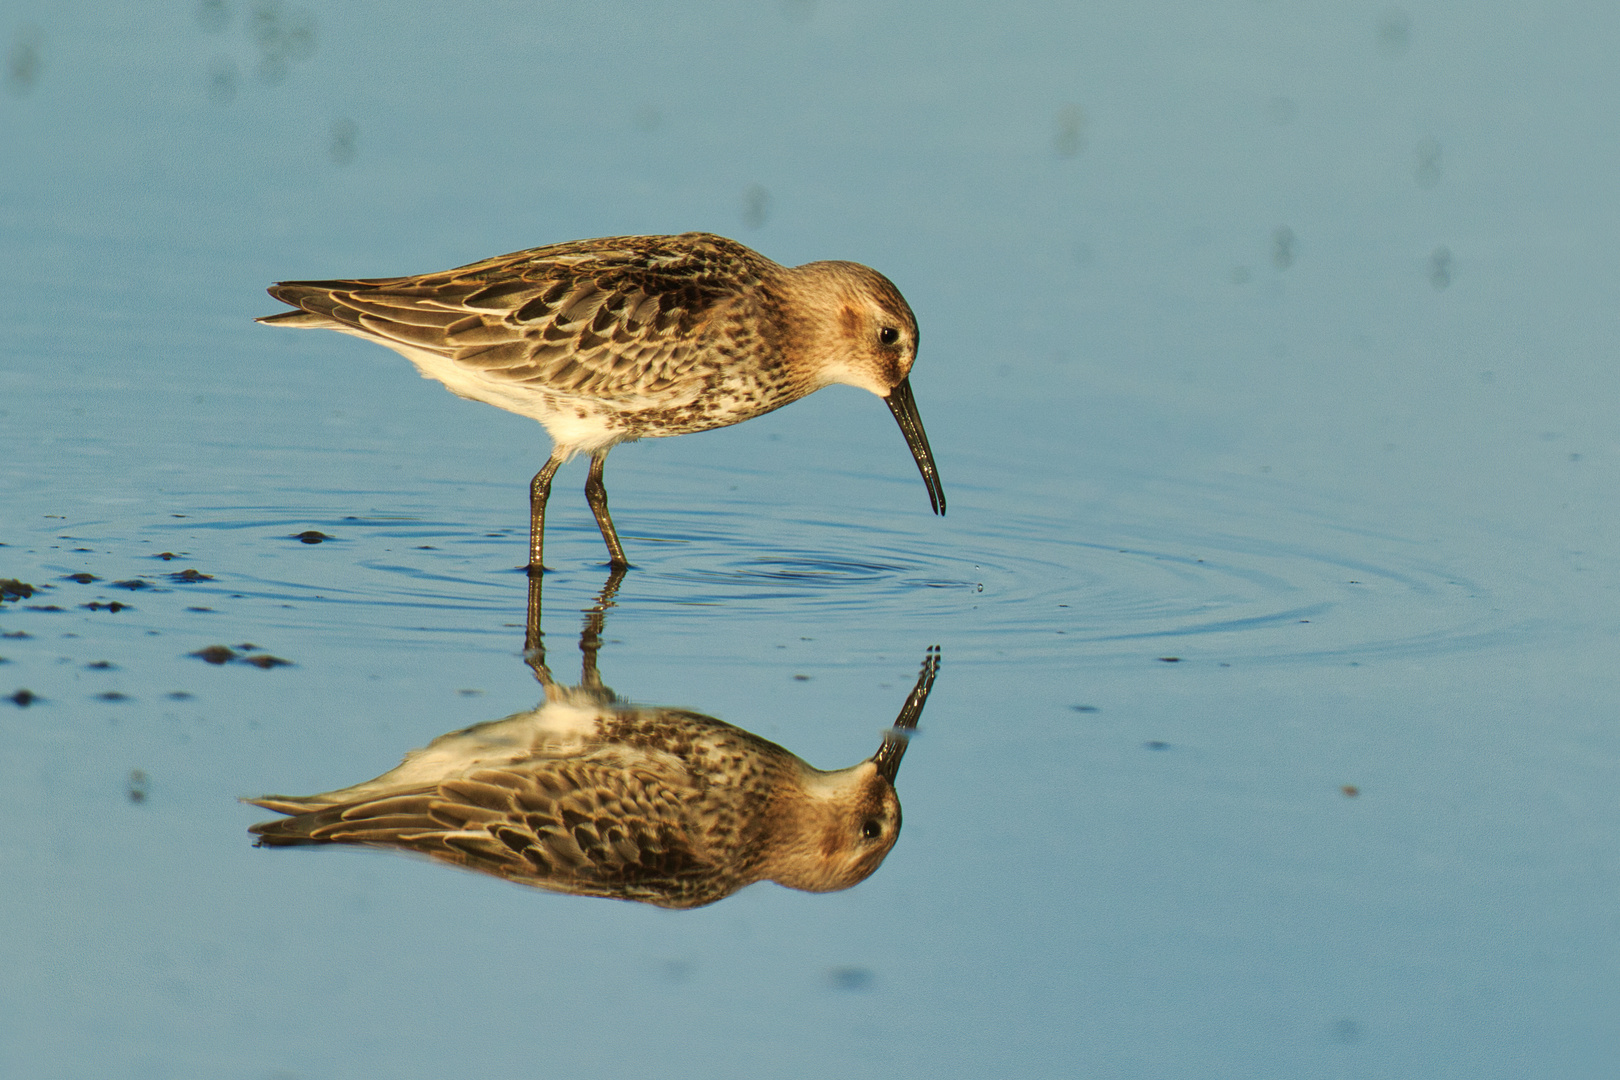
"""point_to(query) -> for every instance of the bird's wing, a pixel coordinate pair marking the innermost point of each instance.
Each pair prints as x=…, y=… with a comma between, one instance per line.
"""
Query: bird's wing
x=613, y=318
x=579, y=826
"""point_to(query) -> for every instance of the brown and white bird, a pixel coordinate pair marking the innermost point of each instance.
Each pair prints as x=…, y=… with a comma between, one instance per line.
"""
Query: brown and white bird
x=590, y=796
x=630, y=337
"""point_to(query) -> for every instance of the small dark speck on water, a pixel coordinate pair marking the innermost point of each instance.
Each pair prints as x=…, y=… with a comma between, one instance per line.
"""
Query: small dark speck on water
x=216, y=654
x=112, y=695
x=1350, y=791
x=16, y=634
x=44, y=607
x=178, y=695
x=189, y=574
x=1156, y=744
x=199, y=609
x=1284, y=246
x=344, y=142
x=222, y=79
x=139, y=786
x=266, y=661
x=1083, y=708
x=102, y=665
x=851, y=979
x=81, y=578
x=470, y=693
x=114, y=607
x=132, y=584
x=24, y=698
x=1170, y=659
x=1069, y=134
x=756, y=206
x=1440, y=268
x=166, y=556
x=213, y=15
x=311, y=536
x=1428, y=170
x=1394, y=32
x=23, y=61
x=801, y=678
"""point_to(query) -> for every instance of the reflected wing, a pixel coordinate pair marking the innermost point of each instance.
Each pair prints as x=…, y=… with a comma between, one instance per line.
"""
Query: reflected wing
x=610, y=318
x=581, y=827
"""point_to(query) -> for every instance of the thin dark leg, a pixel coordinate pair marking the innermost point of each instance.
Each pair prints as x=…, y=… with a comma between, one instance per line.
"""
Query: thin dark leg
x=596, y=495
x=539, y=492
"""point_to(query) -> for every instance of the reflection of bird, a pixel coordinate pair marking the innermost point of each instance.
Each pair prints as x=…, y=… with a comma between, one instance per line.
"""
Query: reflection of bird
x=629, y=337
x=588, y=795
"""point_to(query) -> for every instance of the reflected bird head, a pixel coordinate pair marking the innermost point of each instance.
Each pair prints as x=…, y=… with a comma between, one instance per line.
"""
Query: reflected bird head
x=845, y=823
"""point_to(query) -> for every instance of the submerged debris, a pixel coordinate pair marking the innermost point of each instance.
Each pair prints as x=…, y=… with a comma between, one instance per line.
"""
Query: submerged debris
x=224, y=654
x=12, y=589
x=312, y=536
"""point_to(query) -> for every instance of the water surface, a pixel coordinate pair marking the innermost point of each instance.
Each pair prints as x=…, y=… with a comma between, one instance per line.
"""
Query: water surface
x=1267, y=355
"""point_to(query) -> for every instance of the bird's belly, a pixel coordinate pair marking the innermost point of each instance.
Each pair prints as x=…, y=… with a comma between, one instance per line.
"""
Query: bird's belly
x=579, y=423
x=575, y=424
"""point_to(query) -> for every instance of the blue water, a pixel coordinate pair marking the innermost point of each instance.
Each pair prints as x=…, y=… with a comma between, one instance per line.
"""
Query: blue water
x=1268, y=358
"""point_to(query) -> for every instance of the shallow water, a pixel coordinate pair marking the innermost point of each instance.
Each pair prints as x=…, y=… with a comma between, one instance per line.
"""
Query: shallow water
x=1267, y=354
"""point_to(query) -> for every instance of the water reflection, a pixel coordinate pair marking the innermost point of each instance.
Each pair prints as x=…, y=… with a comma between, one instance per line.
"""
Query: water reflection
x=589, y=795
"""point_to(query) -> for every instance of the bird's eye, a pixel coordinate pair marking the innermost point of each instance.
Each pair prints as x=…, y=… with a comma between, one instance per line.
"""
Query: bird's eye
x=872, y=829
x=888, y=335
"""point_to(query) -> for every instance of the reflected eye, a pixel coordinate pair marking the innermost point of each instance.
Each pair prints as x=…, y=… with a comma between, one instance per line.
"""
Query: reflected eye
x=888, y=335
x=872, y=829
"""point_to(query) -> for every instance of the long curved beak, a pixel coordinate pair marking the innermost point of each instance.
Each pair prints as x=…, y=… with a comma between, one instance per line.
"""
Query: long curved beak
x=904, y=407
x=887, y=759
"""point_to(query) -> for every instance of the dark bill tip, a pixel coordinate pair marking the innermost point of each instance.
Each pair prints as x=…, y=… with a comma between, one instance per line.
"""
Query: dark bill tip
x=893, y=749
x=904, y=407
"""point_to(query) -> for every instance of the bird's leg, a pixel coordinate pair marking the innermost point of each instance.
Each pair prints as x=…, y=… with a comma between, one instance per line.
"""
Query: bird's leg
x=539, y=492
x=596, y=495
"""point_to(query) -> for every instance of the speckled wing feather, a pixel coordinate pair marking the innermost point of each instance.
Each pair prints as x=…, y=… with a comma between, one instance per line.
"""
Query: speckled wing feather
x=583, y=827
x=614, y=318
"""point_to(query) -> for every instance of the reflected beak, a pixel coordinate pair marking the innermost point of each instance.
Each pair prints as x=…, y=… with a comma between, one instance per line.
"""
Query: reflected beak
x=887, y=759
x=904, y=407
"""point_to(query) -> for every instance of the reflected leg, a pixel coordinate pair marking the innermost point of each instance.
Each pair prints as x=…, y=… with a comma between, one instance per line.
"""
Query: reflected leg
x=539, y=492
x=596, y=495
x=534, y=649
x=590, y=637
